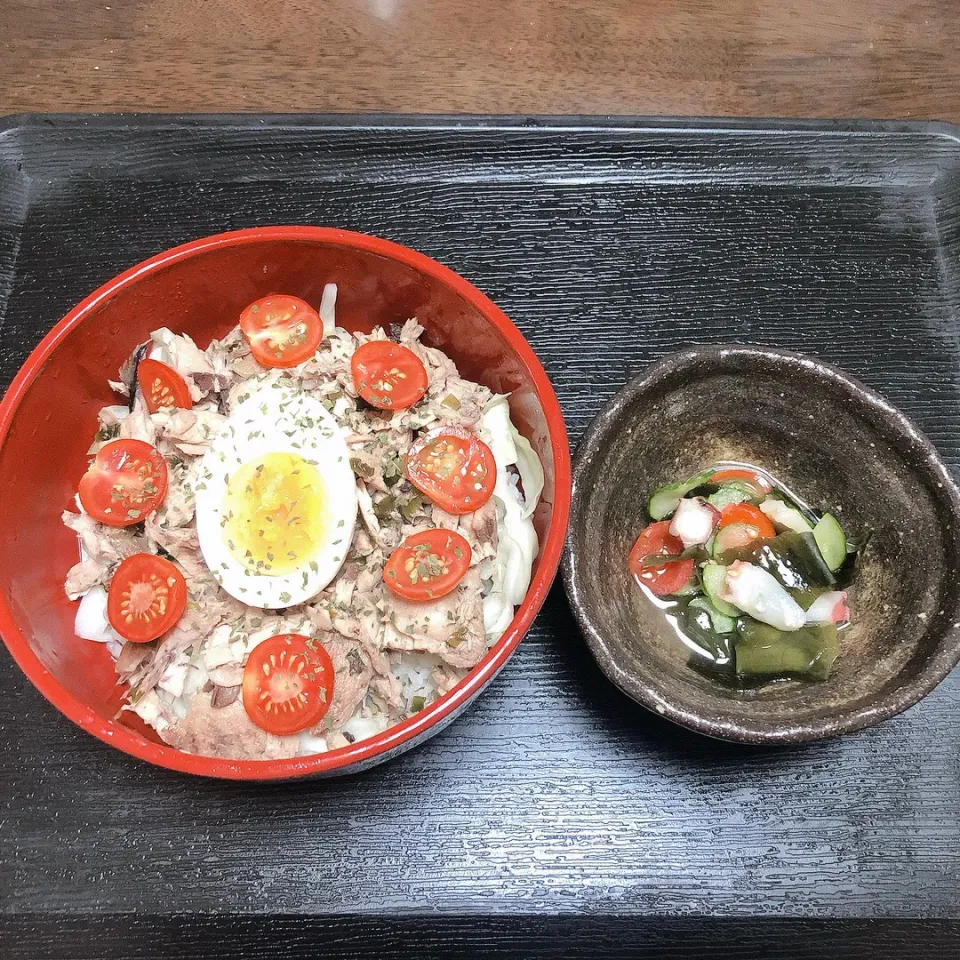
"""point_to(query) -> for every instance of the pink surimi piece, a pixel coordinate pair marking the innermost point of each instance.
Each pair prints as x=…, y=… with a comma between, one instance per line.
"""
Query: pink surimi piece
x=829, y=608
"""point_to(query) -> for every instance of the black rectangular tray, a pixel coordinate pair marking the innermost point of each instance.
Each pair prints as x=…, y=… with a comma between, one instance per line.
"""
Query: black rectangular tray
x=555, y=817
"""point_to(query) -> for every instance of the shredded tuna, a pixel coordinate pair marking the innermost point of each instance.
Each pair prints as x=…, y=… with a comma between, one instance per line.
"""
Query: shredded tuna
x=190, y=431
x=370, y=576
x=101, y=541
x=221, y=352
x=450, y=399
x=479, y=529
x=181, y=544
x=353, y=670
x=386, y=689
x=228, y=732
x=84, y=576
x=188, y=634
x=451, y=627
x=211, y=383
x=138, y=425
x=445, y=678
x=227, y=674
x=224, y=696
x=126, y=385
x=188, y=684
x=132, y=656
x=362, y=544
x=180, y=352
x=330, y=363
x=366, y=511
x=179, y=503
x=104, y=546
x=112, y=416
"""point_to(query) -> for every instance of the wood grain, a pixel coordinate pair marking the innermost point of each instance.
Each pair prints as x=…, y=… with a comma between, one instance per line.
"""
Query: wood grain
x=157, y=937
x=818, y=58
x=555, y=816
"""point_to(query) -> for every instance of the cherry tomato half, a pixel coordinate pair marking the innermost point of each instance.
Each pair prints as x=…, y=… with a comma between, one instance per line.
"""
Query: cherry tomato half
x=427, y=565
x=454, y=468
x=126, y=481
x=747, y=513
x=388, y=375
x=147, y=597
x=287, y=683
x=735, y=536
x=162, y=386
x=740, y=524
x=282, y=331
x=668, y=577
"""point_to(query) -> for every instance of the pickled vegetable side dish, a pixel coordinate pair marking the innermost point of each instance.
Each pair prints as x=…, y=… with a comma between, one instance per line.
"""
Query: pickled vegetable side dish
x=753, y=580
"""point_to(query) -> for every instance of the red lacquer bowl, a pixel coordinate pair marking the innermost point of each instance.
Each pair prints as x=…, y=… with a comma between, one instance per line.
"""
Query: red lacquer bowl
x=48, y=417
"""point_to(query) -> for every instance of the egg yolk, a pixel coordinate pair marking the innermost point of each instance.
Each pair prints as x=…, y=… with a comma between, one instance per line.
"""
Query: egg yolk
x=276, y=513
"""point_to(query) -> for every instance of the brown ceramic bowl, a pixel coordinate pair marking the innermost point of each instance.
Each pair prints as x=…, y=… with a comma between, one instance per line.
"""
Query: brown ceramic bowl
x=842, y=448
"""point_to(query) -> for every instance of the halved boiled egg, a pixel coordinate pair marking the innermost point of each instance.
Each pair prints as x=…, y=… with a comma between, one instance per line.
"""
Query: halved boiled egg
x=277, y=500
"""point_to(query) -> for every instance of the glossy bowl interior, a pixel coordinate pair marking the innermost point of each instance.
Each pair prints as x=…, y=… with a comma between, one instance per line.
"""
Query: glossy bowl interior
x=48, y=417
x=841, y=448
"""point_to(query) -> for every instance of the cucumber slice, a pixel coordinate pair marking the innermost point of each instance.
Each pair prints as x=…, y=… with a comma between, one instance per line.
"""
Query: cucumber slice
x=714, y=577
x=688, y=590
x=732, y=492
x=719, y=621
x=831, y=541
x=664, y=501
x=736, y=536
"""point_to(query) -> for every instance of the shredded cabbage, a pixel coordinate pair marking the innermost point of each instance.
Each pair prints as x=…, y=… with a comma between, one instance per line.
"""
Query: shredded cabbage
x=177, y=350
x=362, y=727
x=308, y=744
x=151, y=710
x=174, y=678
x=217, y=649
x=91, y=620
x=510, y=571
x=328, y=303
x=531, y=473
x=117, y=411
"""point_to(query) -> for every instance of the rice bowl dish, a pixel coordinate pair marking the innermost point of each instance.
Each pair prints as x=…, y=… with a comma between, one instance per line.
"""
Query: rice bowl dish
x=384, y=656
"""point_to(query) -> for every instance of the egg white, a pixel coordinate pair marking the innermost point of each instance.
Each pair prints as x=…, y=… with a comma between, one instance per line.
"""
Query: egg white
x=278, y=418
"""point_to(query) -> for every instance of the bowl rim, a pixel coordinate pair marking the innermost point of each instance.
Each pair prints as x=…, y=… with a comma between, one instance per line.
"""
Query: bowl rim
x=365, y=752
x=644, y=687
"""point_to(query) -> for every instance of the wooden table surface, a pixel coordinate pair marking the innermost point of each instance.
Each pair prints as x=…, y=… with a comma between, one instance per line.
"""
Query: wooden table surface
x=683, y=827
x=815, y=58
